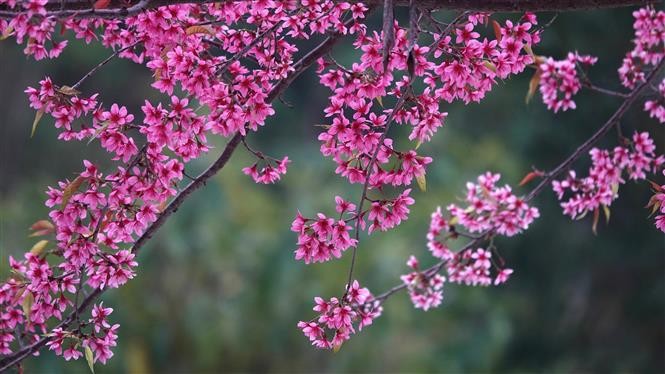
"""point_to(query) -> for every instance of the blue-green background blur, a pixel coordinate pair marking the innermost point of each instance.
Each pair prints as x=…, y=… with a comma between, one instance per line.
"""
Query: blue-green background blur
x=218, y=289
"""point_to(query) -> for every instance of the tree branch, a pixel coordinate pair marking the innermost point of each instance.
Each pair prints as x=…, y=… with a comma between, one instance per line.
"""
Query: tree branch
x=613, y=120
x=120, y=9
x=299, y=67
x=653, y=76
x=368, y=174
x=104, y=62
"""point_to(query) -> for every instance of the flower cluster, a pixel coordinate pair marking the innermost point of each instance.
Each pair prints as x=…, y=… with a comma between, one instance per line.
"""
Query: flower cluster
x=32, y=28
x=493, y=208
x=559, y=80
x=473, y=267
x=657, y=204
x=463, y=69
x=438, y=225
x=467, y=69
x=228, y=62
x=425, y=291
x=64, y=105
x=457, y=65
x=337, y=317
x=178, y=129
x=267, y=174
x=321, y=239
x=649, y=46
x=468, y=266
x=601, y=187
x=230, y=59
x=656, y=107
x=99, y=341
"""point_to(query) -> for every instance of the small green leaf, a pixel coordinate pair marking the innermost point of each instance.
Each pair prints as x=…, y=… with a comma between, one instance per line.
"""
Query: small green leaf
x=422, y=182
x=21, y=291
x=39, y=247
x=89, y=357
x=99, y=131
x=40, y=233
x=38, y=117
x=69, y=91
x=533, y=86
x=615, y=188
x=489, y=65
x=581, y=216
x=596, y=216
x=606, y=210
x=41, y=227
x=70, y=189
x=527, y=48
x=28, y=300
x=9, y=31
x=654, y=203
x=655, y=186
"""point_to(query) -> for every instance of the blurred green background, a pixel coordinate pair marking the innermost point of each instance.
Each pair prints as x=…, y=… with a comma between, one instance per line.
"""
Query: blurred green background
x=218, y=288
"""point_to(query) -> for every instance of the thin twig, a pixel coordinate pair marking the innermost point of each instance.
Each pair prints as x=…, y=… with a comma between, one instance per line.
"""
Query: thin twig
x=225, y=65
x=406, y=90
x=91, y=72
x=368, y=173
x=605, y=91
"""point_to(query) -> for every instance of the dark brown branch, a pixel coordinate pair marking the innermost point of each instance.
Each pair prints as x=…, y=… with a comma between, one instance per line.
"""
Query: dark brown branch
x=299, y=67
x=200, y=181
x=119, y=9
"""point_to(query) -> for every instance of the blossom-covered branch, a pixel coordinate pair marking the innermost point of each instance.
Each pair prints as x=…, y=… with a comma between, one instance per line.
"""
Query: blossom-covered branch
x=227, y=62
x=297, y=68
x=548, y=177
x=121, y=9
x=630, y=99
x=490, y=209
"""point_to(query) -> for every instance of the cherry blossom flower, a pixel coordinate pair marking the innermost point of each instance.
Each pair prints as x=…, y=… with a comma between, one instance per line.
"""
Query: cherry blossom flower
x=608, y=171
x=338, y=318
x=559, y=80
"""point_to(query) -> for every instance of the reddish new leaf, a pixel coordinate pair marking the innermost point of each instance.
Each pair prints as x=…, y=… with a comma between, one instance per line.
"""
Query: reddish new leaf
x=102, y=4
x=529, y=177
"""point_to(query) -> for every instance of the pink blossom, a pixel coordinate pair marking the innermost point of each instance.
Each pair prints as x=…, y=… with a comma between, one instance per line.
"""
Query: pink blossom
x=559, y=80
x=601, y=187
x=337, y=318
